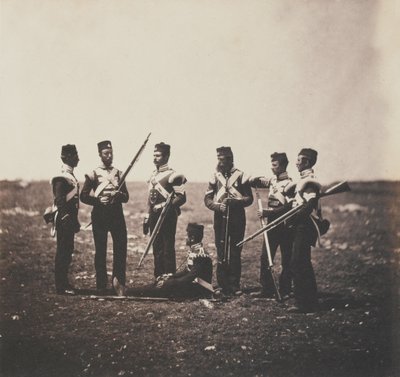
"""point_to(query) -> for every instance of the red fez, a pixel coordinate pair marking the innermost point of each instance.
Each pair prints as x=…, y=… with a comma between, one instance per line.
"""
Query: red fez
x=163, y=148
x=196, y=230
x=224, y=151
x=280, y=157
x=68, y=149
x=106, y=144
x=311, y=154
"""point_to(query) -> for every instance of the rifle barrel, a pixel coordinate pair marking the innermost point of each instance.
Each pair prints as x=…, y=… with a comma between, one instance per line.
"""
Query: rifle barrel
x=336, y=189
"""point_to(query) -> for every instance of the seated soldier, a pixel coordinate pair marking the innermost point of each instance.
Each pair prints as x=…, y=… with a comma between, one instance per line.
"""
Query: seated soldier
x=193, y=281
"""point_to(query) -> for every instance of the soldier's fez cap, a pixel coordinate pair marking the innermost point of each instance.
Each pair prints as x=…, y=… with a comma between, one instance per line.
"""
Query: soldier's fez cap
x=195, y=229
x=224, y=151
x=68, y=149
x=311, y=154
x=163, y=148
x=104, y=145
x=281, y=157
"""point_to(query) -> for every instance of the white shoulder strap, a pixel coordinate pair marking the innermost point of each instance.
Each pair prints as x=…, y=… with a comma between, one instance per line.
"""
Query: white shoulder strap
x=106, y=182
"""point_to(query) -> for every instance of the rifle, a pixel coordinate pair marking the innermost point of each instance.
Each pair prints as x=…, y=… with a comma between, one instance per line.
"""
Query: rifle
x=226, y=240
x=223, y=271
x=336, y=189
x=135, y=159
x=157, y=227
x=125, y=298
x=270, y=261
x=123, y=176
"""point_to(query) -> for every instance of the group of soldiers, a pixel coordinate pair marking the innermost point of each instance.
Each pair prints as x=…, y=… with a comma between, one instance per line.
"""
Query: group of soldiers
x=229, y=192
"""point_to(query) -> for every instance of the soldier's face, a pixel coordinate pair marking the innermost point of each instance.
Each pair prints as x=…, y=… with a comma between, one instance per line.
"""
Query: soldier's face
x=106, y=156
x=225, y=163
x=192, y=239
x=72, y=160
x=276, y=168
x=159, y=159
x=302, y=163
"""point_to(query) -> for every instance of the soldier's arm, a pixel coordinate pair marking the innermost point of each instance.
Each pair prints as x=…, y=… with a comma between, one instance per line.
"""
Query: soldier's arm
x=310, y=197
x=121, y=196
x=60, y=189
x=124, y=193
x=209, y=199
x=259, y=182
x=178, y=185
x=87, y=188
x=247, y=196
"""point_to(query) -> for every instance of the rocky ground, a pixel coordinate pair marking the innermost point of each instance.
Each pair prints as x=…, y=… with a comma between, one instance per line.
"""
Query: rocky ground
x=355, y=333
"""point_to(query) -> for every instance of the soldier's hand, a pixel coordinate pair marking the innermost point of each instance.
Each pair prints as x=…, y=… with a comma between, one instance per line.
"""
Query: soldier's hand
x=104, y=199
x=254, y=181
x=158, y=208
x=116, y=197
x=223, y=207
x=260, y=214
x=268, y=212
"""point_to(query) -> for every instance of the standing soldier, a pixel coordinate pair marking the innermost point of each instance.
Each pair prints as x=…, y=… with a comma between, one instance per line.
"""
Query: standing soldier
x=227, y=195
x=107, y=216
x=281, y=236
x=66, y=199
x=162, y=183
x=305, y=235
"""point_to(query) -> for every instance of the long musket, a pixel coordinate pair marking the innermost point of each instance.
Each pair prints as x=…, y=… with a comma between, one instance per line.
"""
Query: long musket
x=133, y=162
x=226, y=239
x=336, y=189
x=157, y=227
x=268, y=248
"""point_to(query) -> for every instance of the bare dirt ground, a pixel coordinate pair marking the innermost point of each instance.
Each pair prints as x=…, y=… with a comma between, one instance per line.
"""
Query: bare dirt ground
x=356, y=332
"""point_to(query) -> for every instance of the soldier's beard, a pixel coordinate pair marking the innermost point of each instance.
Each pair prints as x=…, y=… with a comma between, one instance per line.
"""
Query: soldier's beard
x=224, y=167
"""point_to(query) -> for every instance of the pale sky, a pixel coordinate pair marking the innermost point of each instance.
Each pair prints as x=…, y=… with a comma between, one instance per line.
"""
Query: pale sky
x=259, y=76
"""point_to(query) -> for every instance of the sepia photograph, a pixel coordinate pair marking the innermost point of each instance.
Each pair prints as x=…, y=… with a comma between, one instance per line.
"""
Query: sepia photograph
x=200, y=188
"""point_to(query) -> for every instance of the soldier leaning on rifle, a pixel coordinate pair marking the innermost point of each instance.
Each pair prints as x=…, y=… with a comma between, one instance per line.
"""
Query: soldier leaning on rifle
x=66, y=199
x=228, y=188
x=107, y=216
x=194, y=280
x=305, y=234
x=162, y=182
x=280, y=236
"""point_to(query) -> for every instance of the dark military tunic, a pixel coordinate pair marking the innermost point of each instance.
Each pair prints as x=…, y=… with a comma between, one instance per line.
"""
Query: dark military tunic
x=66, y=199
x=235, y=186
x=280, y=236
x=185, y=283
x=107, y=217
x=304, y=236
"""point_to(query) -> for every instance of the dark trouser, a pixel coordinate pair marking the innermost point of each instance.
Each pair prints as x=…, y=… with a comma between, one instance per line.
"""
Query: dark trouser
x=305, y=286
x=65, y=248
x=229, y=272
x=109, y=219
x=281, y=237
x=180, y=285
x=164, y=243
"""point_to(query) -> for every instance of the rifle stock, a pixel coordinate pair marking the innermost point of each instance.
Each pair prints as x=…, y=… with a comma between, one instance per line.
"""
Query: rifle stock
x=336, y=189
